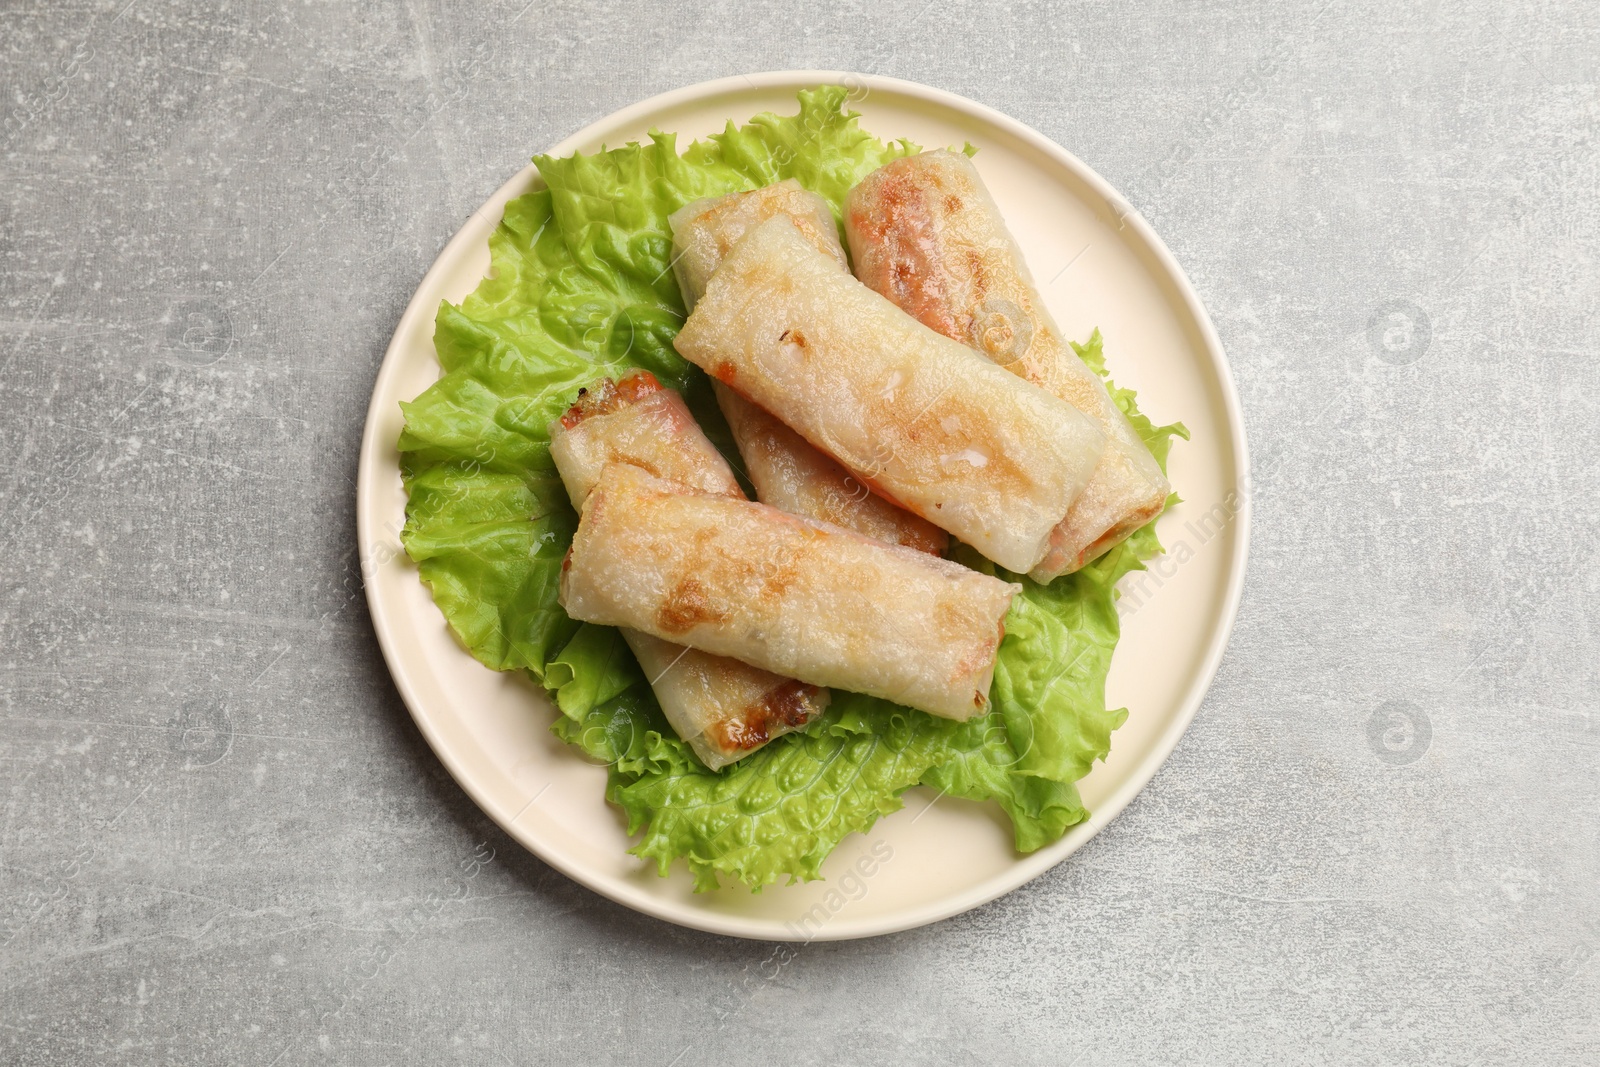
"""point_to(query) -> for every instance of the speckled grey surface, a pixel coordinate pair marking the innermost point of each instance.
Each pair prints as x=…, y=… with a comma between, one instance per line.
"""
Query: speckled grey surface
x=223, y=840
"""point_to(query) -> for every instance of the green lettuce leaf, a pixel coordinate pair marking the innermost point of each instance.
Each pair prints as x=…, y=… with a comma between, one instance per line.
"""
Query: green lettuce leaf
x=580, y=286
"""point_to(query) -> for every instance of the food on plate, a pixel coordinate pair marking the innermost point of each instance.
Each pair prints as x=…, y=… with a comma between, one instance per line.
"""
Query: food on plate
x=582, y=286
x=786, y=471
x=802, y=598
x=912, y=414
x=724, y=709
x=789, y=474
x=925, y=233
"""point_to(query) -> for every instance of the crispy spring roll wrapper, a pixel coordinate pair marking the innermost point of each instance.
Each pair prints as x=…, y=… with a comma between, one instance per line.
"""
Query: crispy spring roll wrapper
x=791, y=475
x=704, y=231
x=796, y=596
x=785, y=470
x=925, y=233
x=913, y=415
x=724, y=709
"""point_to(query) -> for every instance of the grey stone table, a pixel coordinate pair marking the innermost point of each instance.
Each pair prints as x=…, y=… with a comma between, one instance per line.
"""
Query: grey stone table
x=223, y=840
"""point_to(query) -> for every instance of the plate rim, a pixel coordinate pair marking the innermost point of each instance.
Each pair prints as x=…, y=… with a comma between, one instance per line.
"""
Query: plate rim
x=1026, y=868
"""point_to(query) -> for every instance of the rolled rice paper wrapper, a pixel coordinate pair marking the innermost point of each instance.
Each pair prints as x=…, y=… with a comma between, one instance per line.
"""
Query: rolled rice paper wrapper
x=798, y=597
x=925, y=233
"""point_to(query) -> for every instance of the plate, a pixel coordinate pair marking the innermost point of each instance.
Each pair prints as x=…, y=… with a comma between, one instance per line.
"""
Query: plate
x=1099, y=264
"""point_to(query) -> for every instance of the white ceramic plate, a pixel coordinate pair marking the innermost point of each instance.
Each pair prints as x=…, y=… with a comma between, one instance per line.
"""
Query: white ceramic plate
x=1100, y=265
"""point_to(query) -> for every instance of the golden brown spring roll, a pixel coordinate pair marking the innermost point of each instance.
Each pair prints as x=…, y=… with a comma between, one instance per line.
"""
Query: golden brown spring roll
x=911, y=414
x=786, y=471
x=724, y=709
x=802, y=598
x=925, y=233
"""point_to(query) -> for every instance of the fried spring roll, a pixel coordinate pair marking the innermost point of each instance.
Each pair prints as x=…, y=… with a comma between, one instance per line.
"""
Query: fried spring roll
x=913, y=415
x=925, y=233
x=724, y=709
x=795, y=596
x=786, y=471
